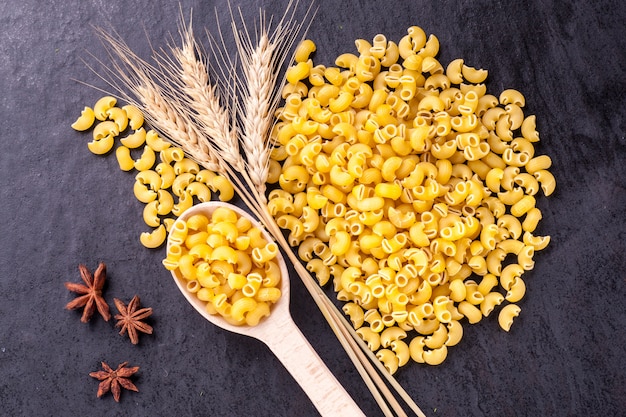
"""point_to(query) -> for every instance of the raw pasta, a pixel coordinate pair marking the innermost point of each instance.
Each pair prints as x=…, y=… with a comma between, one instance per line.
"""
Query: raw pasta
x=163, y=170
x=238, y=283
x=416, y=186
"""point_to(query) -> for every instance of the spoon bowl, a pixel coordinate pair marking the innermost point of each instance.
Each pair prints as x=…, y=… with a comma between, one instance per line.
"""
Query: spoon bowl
x=279, y=332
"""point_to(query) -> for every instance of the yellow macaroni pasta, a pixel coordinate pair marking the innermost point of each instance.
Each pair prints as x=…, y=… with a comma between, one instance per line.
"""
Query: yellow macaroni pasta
x=203, y=248
x=417, y=184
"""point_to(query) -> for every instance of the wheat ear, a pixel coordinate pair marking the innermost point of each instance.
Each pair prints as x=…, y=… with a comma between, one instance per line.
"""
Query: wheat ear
x=178, y=127
x=213, y=117
x=259, y=92
x=255, y=109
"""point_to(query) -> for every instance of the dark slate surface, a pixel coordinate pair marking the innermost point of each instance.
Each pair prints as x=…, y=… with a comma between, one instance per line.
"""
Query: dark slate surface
x=62, y=206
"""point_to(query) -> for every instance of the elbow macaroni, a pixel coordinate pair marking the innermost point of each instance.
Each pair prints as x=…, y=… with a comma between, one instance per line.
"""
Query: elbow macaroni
x=420, y=181
x=230, y=287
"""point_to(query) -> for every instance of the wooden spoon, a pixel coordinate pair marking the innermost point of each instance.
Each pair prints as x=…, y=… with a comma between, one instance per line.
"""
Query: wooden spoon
x=280, y=333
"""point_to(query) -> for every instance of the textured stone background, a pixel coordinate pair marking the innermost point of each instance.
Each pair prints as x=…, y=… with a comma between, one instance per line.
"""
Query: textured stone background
x=62, y=206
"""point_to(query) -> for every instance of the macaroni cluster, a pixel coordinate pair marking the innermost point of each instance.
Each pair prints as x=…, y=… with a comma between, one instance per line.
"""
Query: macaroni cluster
x=227, y=262
x=167, y=181
x=410, y=188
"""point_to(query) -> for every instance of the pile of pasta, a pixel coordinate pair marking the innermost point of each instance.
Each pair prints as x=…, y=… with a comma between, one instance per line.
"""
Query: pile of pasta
x=411, y=189
x=227, y=262
x=167, y=182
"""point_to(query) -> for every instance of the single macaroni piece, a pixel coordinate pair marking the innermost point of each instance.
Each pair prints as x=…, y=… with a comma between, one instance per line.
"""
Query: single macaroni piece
x=356, y=314
x=172, y=154
x=512, y=96
x=185, y=201
x=516, y=291
x=102, y=106
x=435, y=356
x=455, y=333
x=166, y=202
x=119, y=117
x=473, y=75
x=149, y=177
x=370, y=337
x=135, y=116
x=85, y=120
x=547, y=181
x=538, y=163
x=181, y=181
x=155, y=238
x=104, y=129
x=537, y=242
x=388, y=359
x=416, y=349
x=155, y=142
x=437, y=338
x=135, y=139
x=124, y=159
x=531, y=220
x=200, y=191
x=510, y=273
x=143, y=193
x=470, y=311
x=146, y=160
x=304, y=50
x=490, y=302
x=221, y=185
x=167, y=174
x=298, y=72
x=390, y=335
x=150, y=214
x=101, y=146
x=506, y=316
x=402, y=351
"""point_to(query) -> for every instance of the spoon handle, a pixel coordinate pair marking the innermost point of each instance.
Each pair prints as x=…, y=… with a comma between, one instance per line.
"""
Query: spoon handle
x=298, y=356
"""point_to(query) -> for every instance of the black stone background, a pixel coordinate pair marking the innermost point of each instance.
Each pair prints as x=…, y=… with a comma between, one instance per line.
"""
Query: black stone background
x=62, y=206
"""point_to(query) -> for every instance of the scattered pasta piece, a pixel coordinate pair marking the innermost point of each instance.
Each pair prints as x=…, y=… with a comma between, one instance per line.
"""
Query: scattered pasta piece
x=85, y=120
x=101, y=146
x=102, y=106
x=506, y=316
x=155, y=238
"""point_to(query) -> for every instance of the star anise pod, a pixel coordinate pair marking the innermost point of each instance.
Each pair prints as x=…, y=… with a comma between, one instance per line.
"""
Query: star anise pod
x=114, y=381
x=90, y=294
x=130, y=318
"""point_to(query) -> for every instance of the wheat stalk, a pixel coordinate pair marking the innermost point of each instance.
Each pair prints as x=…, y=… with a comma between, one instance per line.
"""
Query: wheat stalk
x=260, y=98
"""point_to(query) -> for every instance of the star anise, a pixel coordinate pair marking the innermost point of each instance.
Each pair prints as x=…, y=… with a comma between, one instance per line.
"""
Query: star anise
x=114, y=381
x=90, y=294
x=130, y=318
